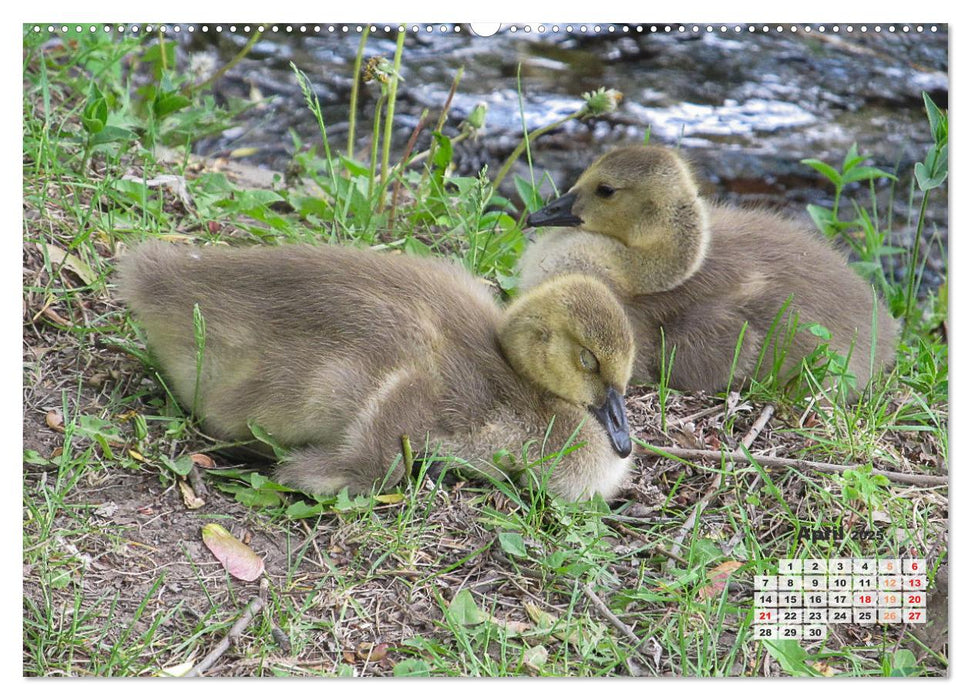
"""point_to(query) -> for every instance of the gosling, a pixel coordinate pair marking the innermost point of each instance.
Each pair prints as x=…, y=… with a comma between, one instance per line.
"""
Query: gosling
x=338, y=352
x=705, y=275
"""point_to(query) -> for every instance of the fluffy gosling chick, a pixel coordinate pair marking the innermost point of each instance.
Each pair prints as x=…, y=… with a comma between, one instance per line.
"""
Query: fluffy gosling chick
x=338, y=352
x=701, y=271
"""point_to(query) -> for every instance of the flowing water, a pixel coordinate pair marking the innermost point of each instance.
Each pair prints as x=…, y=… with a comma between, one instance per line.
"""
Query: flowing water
x=745, y=106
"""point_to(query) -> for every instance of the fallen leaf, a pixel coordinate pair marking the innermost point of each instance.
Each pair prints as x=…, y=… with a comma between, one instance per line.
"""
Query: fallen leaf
x=718, y=578
x=55, y=421
x=535, y=657
x=202, y=461
x=176, y=671
x=372, y=652
x=136, y=455
x=389, y=498
x=824, y=669
x=240, y=561
x=191, y=500
x=55, y=317
x=72, y=262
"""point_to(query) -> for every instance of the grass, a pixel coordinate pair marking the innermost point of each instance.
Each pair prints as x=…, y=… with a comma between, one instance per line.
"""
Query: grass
x=433, y=580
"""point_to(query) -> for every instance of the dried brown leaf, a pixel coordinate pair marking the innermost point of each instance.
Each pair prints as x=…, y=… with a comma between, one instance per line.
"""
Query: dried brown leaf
x=718, y=579
x=189, y=497
x=202, y=461
x=55, y=421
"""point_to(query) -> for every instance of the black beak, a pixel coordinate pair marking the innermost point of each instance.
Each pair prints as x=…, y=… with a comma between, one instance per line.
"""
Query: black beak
x=613, y=416
x=556, y=213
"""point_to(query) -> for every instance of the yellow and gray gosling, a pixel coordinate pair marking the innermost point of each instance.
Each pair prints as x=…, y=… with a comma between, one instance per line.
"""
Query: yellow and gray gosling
x=337, y=352
x=702, y=272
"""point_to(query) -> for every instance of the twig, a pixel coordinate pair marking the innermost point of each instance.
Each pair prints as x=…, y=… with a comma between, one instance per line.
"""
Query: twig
x=409, y=147
x=623, y=529
x=618, y=624
x=765, y=460
x=719, y=479
x=758, y=425
x=255, y=604
x=196, y=482
x=610, y=617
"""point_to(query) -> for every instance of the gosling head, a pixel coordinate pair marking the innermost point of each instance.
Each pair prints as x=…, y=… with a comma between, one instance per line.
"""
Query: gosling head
x=570, y=337
x=643, y=196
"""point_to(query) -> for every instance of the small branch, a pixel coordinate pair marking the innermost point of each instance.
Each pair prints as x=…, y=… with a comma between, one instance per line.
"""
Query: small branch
x=195, y=481
x=767, y=461
x=719, y=480
x=249, y=612
x=618, y=624
x=758, y=425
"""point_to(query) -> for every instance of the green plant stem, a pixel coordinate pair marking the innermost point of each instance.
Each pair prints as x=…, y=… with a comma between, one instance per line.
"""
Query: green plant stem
x=389, y=119
x=189, y=89
x=355, y=88
x=375, y=144
x=531, y=136
x=912, y=264
x=442, y=117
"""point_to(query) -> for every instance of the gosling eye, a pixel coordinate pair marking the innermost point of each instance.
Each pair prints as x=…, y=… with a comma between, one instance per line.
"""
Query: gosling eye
x=604, y=191
x=589, y=361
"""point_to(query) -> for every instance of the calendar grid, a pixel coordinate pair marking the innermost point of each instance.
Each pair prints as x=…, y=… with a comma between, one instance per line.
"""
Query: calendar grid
x=807, y=595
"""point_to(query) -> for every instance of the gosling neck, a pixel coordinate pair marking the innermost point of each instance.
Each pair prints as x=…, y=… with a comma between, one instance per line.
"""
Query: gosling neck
x=663, y=252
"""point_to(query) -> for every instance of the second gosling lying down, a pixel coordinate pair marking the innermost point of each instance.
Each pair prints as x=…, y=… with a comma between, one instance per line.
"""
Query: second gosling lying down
x=338, y=352
x=701, y=271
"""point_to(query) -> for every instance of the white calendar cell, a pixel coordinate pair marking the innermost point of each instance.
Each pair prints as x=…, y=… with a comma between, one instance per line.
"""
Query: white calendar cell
x=814, y=599
x=839, y=566
x=889, y=566
x=865, y=599
x=790, y=616
x=890, y=583
x=766, y=631
x=814, y=566
x=766, y=616
x=864, y=583
x=914, y=583
x=790, y=631
x=815, y=583
x=913, y=567
x=840, y=599
x=915, y=616
x=865, y=567
x=814, y=632
x=864, y=616
x=890, y=599
x=814, y=615
x=840, y=582
x=790, y=566
x=915, y=599
x=790, y=583
x=839, y=616
x=766, y=583
x=790, y=599
x=889, y=616
x=767, y=599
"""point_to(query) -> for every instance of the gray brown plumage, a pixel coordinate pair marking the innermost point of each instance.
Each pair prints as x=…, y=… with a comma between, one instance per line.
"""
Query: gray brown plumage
x=337, y=352
x=701, y=271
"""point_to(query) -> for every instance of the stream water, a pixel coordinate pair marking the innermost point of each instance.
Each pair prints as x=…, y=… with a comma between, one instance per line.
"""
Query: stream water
x=745, y=104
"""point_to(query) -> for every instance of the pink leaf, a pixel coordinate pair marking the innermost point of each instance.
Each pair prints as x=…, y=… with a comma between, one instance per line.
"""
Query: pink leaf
x=240, y=561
